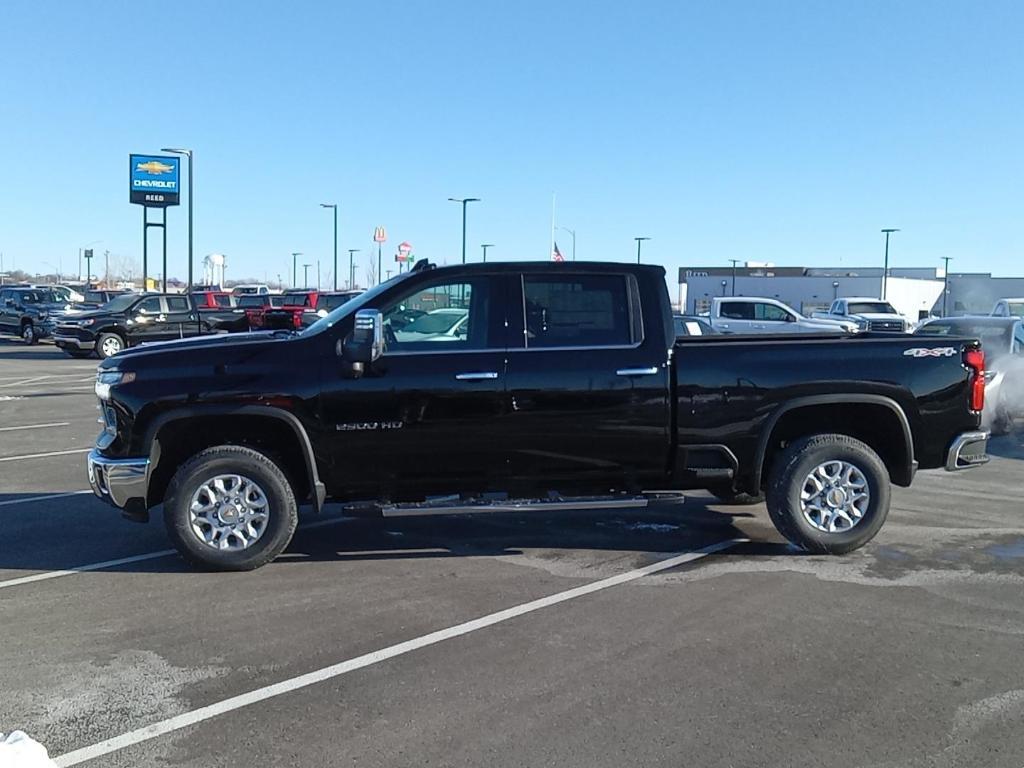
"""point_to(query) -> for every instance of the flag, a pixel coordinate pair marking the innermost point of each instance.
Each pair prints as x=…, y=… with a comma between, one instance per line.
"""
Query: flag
x=556, y=255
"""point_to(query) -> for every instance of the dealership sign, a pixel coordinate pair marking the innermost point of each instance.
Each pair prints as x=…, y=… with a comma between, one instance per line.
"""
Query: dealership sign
x=154, y=180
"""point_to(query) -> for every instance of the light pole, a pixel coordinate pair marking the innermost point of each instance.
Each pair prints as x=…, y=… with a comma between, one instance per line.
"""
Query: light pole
x=835, y=290
x=317, y=276
x=352, y=268
x=187, y=153
x=80, y=250
x=573, y=233
x=638, y=241
x=724, y=283
x=734, y=263
x=484, y=247
x=465, y=201
x=305, y=275
x=945, y=283
x=334, y=206
x=885, y=270
x=295, y=276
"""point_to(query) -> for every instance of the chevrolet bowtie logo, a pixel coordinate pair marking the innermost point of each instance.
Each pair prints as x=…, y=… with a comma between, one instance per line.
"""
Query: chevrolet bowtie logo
x=154, y=167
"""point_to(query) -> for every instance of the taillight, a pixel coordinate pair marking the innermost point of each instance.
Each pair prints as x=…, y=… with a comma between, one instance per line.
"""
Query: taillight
x=296, y=320
x=974, y=359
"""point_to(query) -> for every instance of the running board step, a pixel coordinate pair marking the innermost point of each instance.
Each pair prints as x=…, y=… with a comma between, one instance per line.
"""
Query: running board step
x=447, y=506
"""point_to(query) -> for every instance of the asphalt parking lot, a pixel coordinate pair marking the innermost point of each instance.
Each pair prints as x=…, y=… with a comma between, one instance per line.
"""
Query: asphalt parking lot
x=652, y=637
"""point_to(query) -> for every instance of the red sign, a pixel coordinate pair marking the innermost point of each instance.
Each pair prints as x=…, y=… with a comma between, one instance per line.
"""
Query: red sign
x=380, y=235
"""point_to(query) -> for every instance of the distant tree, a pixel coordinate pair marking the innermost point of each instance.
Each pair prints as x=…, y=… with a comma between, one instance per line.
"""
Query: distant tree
x=371, y=271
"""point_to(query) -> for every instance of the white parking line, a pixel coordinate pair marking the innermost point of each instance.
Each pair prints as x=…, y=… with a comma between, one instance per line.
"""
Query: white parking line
x=84, y=568
x=25, y=381
x=35, y=426
x=187, y=719
x=44, y=455
x=47, y=575
x=41, y=498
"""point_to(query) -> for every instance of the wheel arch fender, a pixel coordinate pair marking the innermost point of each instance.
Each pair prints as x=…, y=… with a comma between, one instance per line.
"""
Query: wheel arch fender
x=901, y=463
x=153, y=448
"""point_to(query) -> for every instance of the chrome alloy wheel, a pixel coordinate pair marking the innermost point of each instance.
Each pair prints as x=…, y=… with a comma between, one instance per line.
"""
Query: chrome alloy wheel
x=229, y=512
x=835, y=496
x=111, y=346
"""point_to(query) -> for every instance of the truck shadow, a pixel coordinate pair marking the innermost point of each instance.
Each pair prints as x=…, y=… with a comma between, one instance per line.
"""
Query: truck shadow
x=101, y=539
x=657, y=529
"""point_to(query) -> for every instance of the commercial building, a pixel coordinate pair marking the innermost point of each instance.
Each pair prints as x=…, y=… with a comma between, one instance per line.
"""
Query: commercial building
x=915, y=292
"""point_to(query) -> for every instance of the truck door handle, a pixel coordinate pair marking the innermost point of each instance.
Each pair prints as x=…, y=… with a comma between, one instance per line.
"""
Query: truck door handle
x=637, y=371
x=477, y=376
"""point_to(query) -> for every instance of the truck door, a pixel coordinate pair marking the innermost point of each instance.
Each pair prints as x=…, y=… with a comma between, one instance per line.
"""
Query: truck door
x=589, y=382
x=182, y=319
x=735, y=317
x=7, y=313
x=427, y=416
x=146, y=321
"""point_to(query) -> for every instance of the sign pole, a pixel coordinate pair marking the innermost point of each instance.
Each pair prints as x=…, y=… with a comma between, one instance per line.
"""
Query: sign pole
x=145, y=248
x=163, y=227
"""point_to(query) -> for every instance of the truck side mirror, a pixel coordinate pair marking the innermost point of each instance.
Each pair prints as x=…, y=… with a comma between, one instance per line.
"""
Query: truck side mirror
x=366, y=342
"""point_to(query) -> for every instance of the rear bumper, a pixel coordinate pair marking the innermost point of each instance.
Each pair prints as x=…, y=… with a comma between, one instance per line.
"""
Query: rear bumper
x=966, y=451
x=120, y=482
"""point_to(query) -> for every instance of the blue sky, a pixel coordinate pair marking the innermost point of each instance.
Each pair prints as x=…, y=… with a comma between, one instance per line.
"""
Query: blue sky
x=777, y=131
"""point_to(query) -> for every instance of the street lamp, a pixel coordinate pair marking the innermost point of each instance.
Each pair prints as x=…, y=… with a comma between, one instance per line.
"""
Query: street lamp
x=484, y=247
x=187, y=153
x=573, y=233
x=295, y=278
x=835, y=290
x=82, y=248
x=351, y=268
x=885, y=270
x=945, y=283
x=465, y=201
x=305, y=275
x=734, y=263
x=638, y=241
x=724, y=283
x=334, y=206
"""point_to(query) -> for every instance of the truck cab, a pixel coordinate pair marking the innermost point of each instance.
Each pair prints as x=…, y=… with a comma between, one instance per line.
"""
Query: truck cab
x=751, y=314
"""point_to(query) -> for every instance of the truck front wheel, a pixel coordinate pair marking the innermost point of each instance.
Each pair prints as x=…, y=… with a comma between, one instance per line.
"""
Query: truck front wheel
x=828, y=494
x=230, y=508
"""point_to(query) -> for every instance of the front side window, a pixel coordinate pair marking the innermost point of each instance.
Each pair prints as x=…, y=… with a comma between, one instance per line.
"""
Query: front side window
x=441, y=317
x=770, y=313
x=577, y=311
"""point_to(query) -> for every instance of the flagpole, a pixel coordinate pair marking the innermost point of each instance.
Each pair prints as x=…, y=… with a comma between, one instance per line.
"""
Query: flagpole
x=551, y=249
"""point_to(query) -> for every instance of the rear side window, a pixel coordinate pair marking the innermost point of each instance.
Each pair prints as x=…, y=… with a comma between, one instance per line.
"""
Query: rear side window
x=177, y=304
x=579, y=311
x=737, y=310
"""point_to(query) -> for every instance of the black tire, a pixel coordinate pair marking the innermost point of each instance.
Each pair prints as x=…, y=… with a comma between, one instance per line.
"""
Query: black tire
x=727, y=495
x=78, y=354
x=103, y=355
x=786, y=481
x=230, y=459
x=29, y=334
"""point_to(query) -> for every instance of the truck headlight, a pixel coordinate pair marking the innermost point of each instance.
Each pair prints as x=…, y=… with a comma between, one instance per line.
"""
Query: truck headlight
x=90, y=321
x=107, y=379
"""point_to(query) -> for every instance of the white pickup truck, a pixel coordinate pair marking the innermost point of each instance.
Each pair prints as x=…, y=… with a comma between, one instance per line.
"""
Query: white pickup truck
x=867, y=314
x=750, y=314
x=1008, y=308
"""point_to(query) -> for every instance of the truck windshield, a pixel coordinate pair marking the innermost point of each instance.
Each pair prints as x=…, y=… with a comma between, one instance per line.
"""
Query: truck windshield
x=870, y=307
x=121, y=303
x=351, y=306
x=296, y=300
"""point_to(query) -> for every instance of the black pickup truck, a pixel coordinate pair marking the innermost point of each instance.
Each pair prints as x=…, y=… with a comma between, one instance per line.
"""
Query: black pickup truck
x=528, y=381
x=127, y=321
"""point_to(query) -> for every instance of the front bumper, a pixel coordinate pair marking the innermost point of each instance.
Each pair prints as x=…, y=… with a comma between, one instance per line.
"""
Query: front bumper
x=966, y=451
x=121, y=482
x=70, y=341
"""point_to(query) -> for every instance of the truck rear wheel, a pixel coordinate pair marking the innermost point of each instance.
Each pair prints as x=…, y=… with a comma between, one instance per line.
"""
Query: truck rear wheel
x=230, y=508
x=828, y=494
